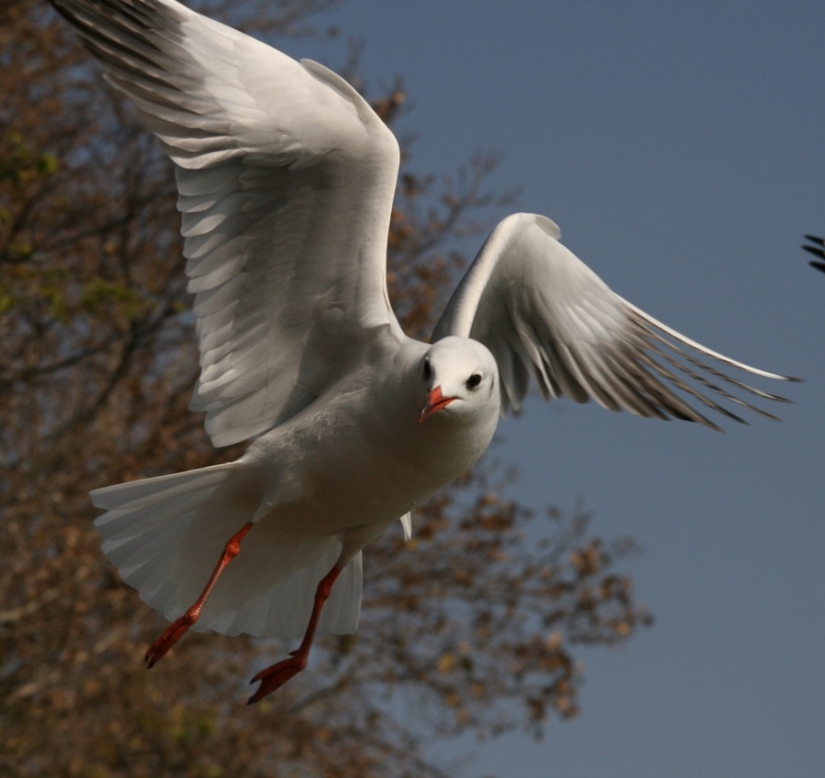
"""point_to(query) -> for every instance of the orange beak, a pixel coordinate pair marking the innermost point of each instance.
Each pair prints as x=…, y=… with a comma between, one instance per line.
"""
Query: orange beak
x=435, y=402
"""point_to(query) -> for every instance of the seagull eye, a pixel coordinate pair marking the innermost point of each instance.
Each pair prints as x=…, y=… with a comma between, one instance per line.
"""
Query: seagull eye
x=473, y=381
x=427, y=370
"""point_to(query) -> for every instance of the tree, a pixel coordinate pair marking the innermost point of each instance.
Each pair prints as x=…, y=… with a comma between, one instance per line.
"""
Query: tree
x=471, y=625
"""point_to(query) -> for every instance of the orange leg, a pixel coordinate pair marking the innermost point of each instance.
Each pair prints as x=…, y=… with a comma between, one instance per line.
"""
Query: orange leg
x=275, y=677
x=174, y=632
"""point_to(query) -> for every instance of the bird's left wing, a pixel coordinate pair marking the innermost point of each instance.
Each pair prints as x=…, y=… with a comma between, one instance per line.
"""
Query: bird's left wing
x=286, y=178
x=542, y=312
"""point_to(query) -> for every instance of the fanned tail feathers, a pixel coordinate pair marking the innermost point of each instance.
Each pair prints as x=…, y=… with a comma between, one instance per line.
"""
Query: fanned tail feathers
x=166, y=534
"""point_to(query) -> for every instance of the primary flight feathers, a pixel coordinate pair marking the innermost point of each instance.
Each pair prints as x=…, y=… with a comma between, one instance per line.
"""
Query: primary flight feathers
x=817, y=249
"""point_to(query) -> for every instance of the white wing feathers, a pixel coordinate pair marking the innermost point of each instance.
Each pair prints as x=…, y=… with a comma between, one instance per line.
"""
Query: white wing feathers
x=286, y=178
x=545, y=314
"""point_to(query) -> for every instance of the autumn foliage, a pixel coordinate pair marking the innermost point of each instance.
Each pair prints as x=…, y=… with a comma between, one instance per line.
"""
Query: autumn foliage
x=470, y=626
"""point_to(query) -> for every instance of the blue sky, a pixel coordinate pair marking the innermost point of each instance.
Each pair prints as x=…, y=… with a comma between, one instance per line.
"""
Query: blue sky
x=681, y=149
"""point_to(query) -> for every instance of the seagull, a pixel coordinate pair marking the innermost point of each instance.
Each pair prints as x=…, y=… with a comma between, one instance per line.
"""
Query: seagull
x=286, y=178
x=818, y=250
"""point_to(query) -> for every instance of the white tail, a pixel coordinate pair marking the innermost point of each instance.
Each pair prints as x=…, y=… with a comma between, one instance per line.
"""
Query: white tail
x=166, y=534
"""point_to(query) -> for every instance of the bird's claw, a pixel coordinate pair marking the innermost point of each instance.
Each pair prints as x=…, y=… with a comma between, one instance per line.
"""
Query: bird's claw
x=273, y=678
x=171, y=635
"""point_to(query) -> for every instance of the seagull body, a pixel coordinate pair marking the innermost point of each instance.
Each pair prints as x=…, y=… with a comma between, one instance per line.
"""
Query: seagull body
x=286, y=179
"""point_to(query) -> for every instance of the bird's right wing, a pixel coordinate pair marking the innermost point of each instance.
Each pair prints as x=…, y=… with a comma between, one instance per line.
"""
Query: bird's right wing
x=286, y=179
x=543, y=313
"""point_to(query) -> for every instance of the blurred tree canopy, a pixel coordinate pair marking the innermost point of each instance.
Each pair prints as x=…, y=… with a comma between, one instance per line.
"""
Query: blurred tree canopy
x=469, y=627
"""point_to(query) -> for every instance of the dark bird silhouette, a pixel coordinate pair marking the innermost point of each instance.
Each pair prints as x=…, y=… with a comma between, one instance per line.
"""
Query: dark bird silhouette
x=818, y=250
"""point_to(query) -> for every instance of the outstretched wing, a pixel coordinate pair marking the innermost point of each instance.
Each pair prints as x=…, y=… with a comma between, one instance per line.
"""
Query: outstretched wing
x=286, y=178
x=542, y=312
x=817, y=249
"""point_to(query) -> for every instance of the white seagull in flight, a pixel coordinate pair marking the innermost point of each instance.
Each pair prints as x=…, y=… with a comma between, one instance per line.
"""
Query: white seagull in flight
x=286, y=179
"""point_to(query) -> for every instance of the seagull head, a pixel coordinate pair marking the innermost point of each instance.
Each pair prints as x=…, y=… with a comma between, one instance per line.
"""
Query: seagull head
x=459, y=379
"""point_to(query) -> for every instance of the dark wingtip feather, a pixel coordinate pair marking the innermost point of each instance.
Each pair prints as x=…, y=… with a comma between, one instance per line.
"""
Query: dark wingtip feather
x=818, y=250
x=815, y=250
